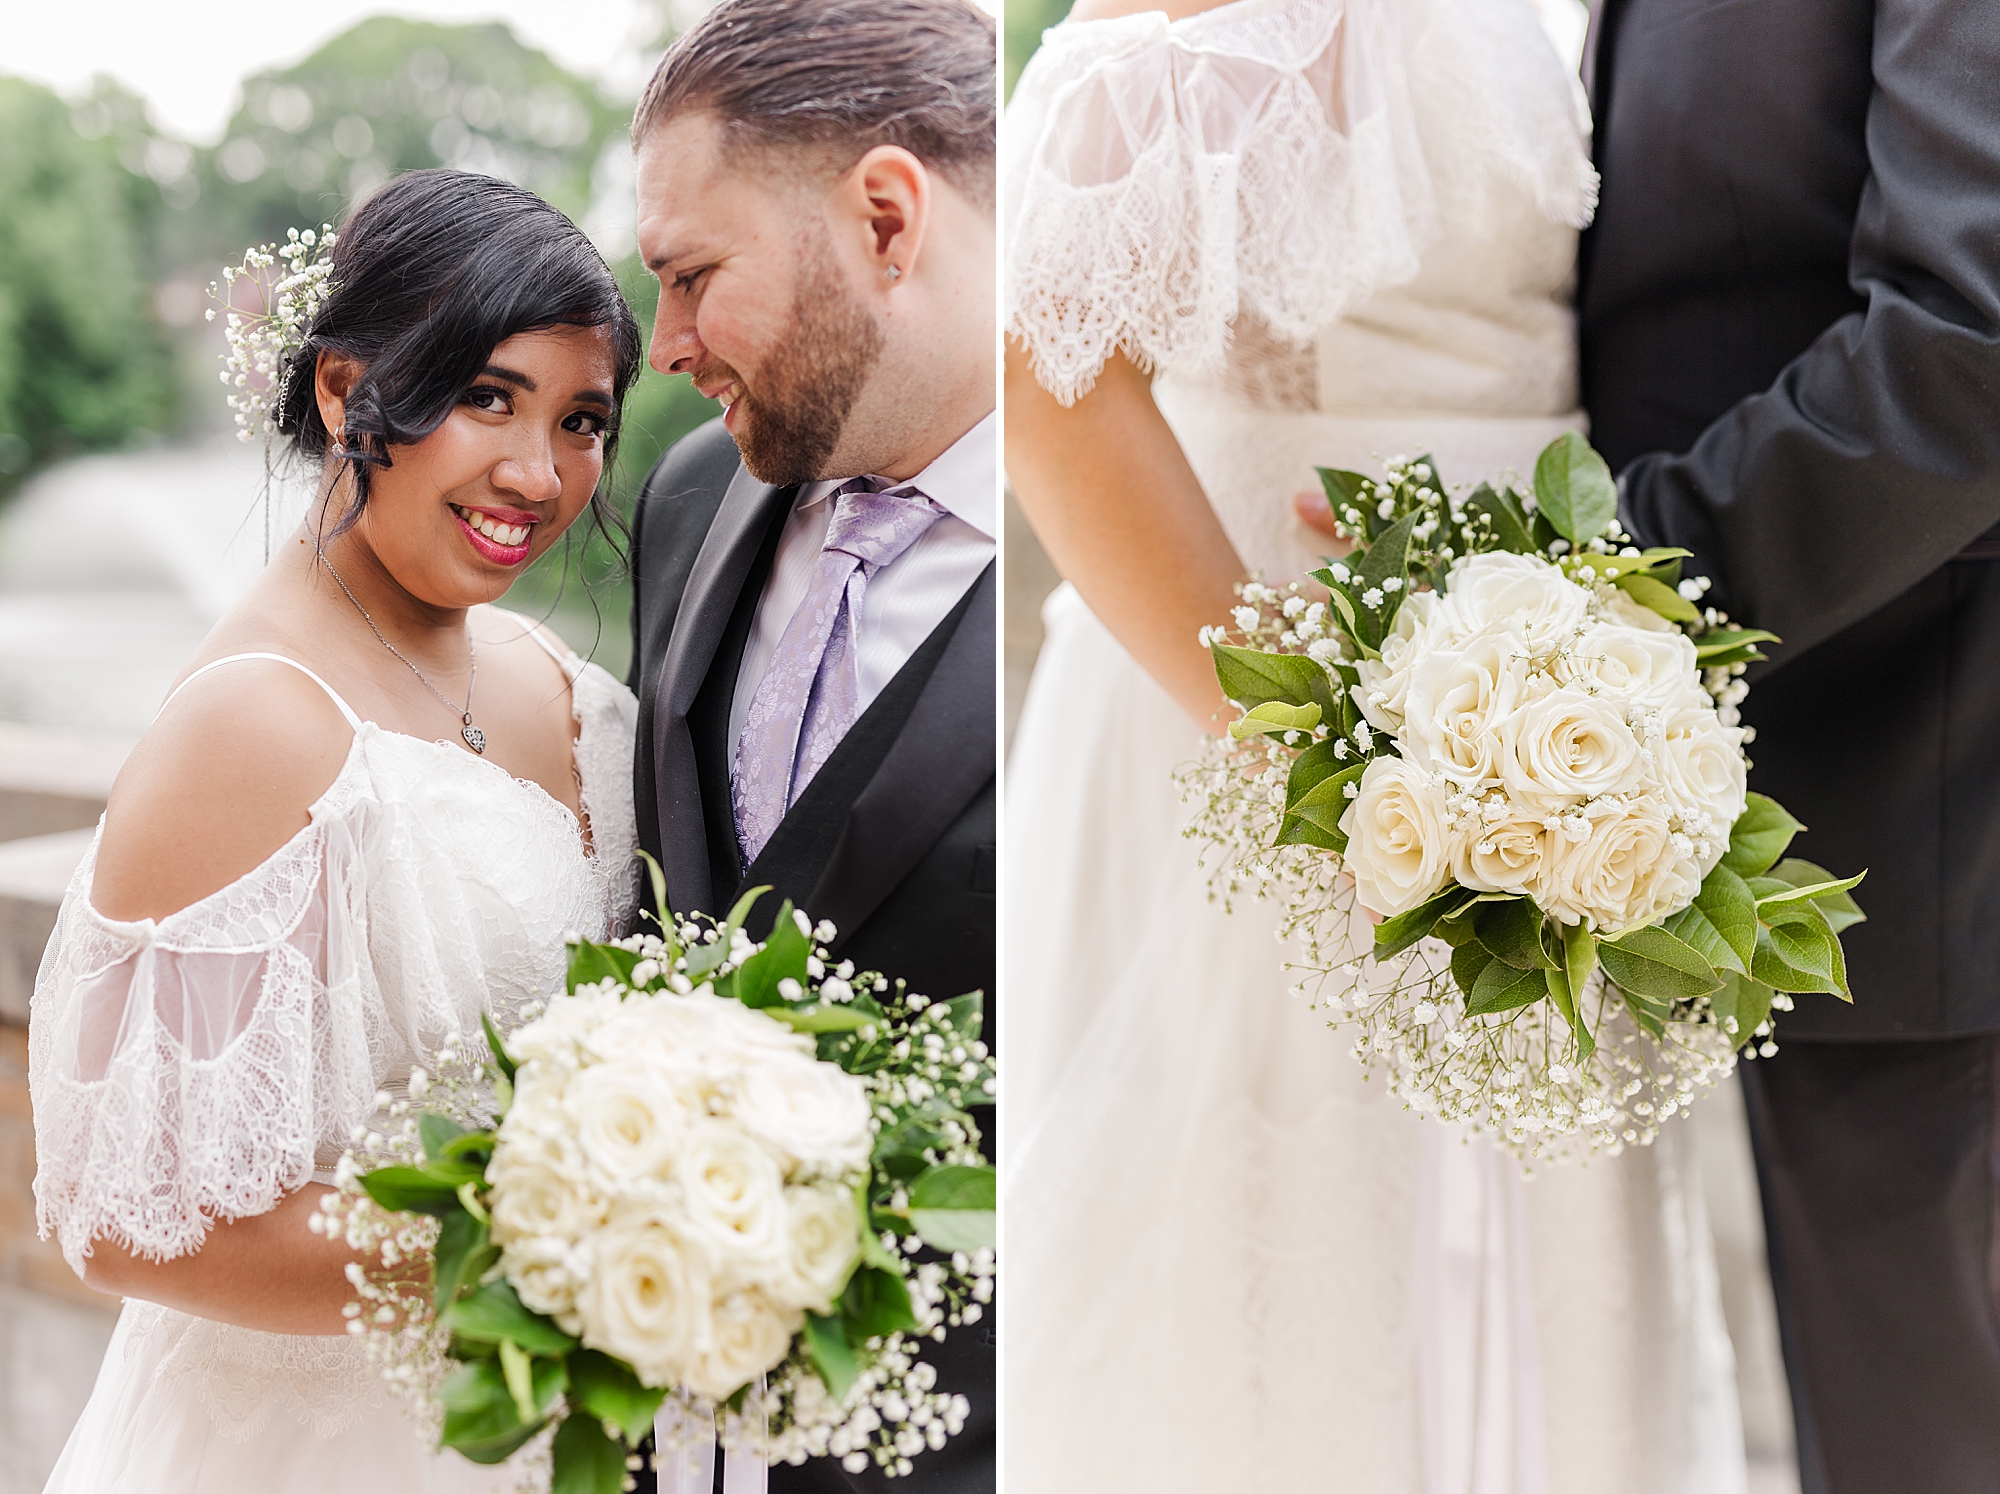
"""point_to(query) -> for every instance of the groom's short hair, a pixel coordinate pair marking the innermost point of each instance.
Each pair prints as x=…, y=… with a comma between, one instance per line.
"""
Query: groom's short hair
x=829, y=80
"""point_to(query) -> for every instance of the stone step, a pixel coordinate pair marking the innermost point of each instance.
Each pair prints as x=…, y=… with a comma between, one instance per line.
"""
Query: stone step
x=52, y=779
x=35, y=871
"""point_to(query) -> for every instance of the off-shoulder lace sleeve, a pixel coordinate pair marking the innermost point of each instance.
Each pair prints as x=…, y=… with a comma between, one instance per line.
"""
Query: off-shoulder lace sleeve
x=189, y=1070
x=1278, y=158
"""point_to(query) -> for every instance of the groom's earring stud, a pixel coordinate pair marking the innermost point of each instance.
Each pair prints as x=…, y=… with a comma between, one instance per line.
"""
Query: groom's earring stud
x=892, y=273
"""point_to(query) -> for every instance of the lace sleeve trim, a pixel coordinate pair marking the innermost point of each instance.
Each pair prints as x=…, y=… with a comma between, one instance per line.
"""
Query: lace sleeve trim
x=1280, y=159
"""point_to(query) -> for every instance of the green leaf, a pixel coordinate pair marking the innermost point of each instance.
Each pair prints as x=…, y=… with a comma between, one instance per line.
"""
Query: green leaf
x=498, y=1047
x=1728, y=640
x=1652, y=962
x=1388, y=558
x=1310, y=768
x=1768, y=966
x=1501, y=988
x=412, y=1191
x=1664, y=600
x=1579, y=960
x=437, y=1132
x=494, y=1313
x=1510, y=524
x=1273, y=717
x=1394, y=935
x=1802, y=938
x=783, y=957
x=955, y=1208
x=1252, y=677
x=875, y=1304
x=1323, y=805
x=585, y=1461
x=1721, y=923
x=1574, y=489
x=1840, y=910
x=966, y=1014
x=518, y=1369
x=1345, y=489
x=815, y=1017
x=461, y=1242
x=1746, y=1000
x=590, y=963
x=1611, y=567
x=607, y=1389
x=480, y=1419
x=1512, y=930
x=1759, y=836
x=658, y=877
x=831, y=1355
x=1468, y=963
x=1811, y=892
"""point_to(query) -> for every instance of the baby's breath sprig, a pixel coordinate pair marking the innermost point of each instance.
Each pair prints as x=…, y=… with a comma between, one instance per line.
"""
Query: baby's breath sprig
x=292, y=281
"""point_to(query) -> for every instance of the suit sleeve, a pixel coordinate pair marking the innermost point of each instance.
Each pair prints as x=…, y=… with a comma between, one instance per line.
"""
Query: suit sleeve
x=1875, y=456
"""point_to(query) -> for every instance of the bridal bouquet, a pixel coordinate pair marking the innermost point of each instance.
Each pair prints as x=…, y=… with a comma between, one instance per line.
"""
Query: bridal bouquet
x=1511, y=736
x=692, y=1188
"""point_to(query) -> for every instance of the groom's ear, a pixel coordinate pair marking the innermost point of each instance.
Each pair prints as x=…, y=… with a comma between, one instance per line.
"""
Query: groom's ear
x=889, y=194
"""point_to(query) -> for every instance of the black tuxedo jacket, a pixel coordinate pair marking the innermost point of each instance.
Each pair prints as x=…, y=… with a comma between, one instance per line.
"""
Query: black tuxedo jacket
x=1789, y=308
x=893, y=840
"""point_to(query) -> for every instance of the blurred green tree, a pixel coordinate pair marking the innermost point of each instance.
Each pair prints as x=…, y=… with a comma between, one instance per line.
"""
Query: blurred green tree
x=391, y=95
x=1026, y=21
x=83, y=362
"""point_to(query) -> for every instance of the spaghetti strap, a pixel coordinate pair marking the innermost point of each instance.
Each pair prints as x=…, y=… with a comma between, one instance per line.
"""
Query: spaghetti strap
x=566, y=659
x=331, y=693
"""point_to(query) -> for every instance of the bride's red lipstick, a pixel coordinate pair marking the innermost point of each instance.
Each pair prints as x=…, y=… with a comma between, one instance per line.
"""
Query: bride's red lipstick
x=493, y=549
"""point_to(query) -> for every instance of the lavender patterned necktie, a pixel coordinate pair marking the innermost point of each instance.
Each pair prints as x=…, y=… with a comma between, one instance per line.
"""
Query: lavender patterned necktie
x=811, y=691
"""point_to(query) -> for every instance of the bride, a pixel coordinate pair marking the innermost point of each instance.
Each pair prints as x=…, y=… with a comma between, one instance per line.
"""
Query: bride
x=1245, y=239
x=369, y=811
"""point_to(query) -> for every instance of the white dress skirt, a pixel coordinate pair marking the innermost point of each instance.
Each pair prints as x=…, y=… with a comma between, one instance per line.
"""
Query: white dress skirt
x=1342, y=231
x=203, y=1066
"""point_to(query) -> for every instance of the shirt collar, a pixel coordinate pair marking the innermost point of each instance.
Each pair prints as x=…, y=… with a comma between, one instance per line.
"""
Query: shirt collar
x=960, y=481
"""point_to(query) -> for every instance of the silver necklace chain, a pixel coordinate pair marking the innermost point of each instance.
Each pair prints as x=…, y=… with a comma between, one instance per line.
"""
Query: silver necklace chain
x=474, y=737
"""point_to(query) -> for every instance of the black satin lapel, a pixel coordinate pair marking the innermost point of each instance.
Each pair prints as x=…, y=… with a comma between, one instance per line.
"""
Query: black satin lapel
x=942, y=758
x=715, y=583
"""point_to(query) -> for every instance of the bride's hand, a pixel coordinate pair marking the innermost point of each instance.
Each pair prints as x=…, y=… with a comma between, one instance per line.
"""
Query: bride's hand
x=1315, y=512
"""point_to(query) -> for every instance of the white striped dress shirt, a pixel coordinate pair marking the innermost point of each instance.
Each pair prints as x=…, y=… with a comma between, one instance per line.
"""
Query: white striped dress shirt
x=907, y=598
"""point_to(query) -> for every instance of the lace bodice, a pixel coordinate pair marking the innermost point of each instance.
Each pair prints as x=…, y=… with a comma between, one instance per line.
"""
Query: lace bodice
x=203, y=1066
x=1361, y=206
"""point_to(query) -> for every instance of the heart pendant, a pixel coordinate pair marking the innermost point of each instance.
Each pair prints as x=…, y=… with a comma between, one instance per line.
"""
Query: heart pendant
x=475, y=739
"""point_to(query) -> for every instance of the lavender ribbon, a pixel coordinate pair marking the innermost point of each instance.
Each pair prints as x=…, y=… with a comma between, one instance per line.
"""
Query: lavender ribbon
x=810, y=694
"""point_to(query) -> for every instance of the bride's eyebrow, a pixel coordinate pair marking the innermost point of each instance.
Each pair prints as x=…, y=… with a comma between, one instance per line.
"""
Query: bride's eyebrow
x=495, y=371
x=595, y=397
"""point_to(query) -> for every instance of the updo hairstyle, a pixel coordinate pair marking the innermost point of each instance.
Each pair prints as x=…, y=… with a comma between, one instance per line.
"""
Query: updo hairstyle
x=431, y=274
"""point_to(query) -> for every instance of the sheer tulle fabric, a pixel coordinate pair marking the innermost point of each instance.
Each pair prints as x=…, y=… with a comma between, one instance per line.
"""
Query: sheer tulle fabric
x=201, y=1067
x=1264, y=165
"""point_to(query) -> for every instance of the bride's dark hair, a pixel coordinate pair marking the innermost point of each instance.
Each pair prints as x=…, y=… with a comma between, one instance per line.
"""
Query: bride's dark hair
x=431, y=274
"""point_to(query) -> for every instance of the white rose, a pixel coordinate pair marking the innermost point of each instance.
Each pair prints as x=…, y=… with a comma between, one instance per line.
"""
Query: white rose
x=1566, y=746
x=750, y=1334
x=1651, y=670
x=628, y=1121
x=1615, y=605
x=1379, y=695
x=1399, y=849
x=734, y=1196
x=1457, y=699
x=1527, y=594
x=1625, y=872
x=815, y=1113
x=825, y=1242
x=647, y=1300
x=1701, y=771
x=1503, y=853
x=536, y=1196
x=541, y=1270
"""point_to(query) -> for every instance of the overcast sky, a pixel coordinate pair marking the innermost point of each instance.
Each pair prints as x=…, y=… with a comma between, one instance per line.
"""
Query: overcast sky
x=186, y=57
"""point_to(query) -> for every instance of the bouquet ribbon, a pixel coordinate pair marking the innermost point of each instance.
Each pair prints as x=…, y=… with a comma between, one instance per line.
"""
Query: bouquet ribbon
x=686, y=1457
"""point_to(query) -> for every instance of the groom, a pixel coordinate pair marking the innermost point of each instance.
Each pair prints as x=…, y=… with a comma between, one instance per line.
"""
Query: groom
x=814, y=591
x=1790, y=319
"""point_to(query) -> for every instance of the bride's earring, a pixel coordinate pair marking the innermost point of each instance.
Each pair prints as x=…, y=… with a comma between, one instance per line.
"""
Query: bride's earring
x=892, y=273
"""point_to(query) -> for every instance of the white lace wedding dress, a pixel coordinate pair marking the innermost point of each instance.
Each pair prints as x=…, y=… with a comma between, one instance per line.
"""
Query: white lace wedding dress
x=203, y=1066
x=1340, y=232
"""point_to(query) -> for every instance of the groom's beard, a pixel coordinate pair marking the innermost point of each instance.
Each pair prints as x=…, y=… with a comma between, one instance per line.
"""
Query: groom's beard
x=792, y=423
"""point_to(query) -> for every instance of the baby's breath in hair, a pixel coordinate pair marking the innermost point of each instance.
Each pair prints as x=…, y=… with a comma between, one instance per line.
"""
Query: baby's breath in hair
x=261, y=341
